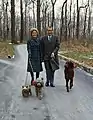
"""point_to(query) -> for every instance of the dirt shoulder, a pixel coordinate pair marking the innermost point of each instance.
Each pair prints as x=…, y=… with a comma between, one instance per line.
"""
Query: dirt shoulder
x=6, y=49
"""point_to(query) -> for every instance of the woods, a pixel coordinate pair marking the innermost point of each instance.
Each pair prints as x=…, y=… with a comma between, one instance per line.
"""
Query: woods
x=71, y=21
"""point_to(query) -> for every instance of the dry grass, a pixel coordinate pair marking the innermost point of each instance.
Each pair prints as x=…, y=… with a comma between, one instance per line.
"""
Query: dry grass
x=6, y=49
x=79, y=51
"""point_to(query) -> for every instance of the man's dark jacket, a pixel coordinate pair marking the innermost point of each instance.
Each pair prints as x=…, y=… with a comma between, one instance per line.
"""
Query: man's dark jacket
x=49, y=47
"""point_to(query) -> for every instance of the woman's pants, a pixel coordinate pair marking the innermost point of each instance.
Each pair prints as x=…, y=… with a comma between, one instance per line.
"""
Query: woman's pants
x=32, y=75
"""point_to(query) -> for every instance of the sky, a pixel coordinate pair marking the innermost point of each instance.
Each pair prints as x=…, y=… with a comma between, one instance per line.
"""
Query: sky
x=58, y=5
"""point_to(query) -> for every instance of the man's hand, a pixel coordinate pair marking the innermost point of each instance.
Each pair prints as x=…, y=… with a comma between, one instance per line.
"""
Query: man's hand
x=52, y=55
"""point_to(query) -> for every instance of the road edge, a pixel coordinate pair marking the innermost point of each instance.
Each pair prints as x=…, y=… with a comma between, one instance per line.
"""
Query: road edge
x=9, y=56
x=80, y=65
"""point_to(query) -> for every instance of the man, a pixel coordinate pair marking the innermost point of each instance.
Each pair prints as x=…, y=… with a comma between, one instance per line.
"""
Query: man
x=50, y=47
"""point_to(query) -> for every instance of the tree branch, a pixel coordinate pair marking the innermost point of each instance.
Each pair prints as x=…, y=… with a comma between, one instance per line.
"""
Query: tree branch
x=64, y=3
x=53, y=2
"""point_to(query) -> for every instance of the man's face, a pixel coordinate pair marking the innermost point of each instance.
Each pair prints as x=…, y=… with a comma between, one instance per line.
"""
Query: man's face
x=49, y=31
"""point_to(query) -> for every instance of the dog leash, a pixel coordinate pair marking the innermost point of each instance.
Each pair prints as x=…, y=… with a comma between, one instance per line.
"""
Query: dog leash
x=27, y=72
x=26, y=79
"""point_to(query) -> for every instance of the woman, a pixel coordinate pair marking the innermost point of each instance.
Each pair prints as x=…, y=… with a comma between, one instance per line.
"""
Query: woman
x=34, y=54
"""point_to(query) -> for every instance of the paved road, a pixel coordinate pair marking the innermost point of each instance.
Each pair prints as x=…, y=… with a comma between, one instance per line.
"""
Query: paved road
x=57, y=104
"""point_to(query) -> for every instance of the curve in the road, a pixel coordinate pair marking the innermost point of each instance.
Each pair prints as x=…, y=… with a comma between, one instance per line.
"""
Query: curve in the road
x=57, y=103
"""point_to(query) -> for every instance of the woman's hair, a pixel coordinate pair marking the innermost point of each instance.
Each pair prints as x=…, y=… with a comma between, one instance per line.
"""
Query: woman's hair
x=34, y=29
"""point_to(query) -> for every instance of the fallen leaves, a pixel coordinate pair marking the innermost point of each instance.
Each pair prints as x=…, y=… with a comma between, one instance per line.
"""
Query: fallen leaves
x=78, y=51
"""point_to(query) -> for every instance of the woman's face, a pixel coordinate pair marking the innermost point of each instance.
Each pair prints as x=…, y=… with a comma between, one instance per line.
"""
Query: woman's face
x=34, y=34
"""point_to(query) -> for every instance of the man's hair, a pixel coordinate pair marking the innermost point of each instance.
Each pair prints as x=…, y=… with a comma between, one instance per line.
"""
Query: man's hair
x=49, y=27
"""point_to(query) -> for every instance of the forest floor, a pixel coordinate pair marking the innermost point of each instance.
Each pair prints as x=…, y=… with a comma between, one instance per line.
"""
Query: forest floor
x=81, y=52
x=6, y=49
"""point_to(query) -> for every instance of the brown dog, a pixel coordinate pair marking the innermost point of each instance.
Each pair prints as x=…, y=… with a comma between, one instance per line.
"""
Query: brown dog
x=69, y=73
x=39, y=88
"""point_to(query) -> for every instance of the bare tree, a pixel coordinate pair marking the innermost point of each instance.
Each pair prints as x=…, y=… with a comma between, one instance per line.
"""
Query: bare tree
x=77, y=27
x=53, y=11
x=21, y=12
x=45, y=6
x=78, y=19
x=3, y=7
x=84, y=31
x=74, y=22
x=69, y=23
x=38, y=16
x=89, y=23
x=12, y=21
x=27, y=3
x=66, y=21
x=17, y=27
x=25, y=17
x=34, y=21
x=7, y=27
x=62, y=20
x=48, y=20
x=0, y=24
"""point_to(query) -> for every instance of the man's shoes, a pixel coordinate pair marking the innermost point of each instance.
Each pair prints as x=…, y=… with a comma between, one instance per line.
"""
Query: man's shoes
x=67, y=89
x=71, y=86
x=52, y=85
x=47, y=84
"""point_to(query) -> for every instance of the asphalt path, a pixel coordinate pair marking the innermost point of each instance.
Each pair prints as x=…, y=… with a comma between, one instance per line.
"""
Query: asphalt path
x=57, y=104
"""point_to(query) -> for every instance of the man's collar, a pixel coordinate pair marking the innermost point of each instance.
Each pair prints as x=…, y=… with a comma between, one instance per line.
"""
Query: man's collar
x=50, y=35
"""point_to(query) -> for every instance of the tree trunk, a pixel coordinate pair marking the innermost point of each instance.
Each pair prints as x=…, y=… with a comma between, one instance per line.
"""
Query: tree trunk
x=62, y=21
x=0, y=25
x=25, y=19
x=53, y=15
x=48, y=20
x=45, y=20
x=12, y=21
x=74, y=23
x=61, y=25
x=77, y=27
x=84, y=30
x=38, y=16
x=69, y=24
x=66, y=21
x=34, y=24
x=21, y=12
x=7, y=28
x=3, y=7
x=89, y=23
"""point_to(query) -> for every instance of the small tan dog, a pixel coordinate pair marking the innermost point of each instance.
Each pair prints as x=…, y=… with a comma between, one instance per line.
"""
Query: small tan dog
x=39, y=86
x=26, y=91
